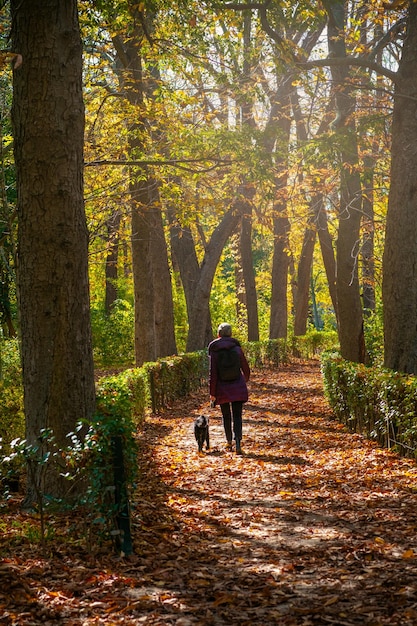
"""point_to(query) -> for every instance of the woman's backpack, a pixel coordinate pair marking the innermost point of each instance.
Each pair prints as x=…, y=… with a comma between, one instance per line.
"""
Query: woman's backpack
x=228, y=364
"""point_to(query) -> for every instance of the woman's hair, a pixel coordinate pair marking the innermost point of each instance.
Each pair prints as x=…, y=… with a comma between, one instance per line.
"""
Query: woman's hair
x=224, y=330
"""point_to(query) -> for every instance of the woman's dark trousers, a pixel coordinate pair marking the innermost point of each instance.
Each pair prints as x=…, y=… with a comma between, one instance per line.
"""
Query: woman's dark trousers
x=232, y=410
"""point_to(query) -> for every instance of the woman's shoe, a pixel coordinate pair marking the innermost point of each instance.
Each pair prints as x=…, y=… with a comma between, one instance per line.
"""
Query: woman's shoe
x=238, y=447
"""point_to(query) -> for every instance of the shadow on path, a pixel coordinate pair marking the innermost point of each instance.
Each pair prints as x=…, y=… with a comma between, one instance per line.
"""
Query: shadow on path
x=311, y=526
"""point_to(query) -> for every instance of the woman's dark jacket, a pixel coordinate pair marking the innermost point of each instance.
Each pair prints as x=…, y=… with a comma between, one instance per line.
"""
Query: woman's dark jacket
x=228, y=391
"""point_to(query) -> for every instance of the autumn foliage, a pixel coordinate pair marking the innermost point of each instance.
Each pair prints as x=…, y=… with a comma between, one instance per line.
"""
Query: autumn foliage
x=312, y=525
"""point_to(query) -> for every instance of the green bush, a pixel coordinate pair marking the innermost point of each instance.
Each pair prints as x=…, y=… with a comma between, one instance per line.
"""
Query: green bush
x=12, y=420
x=313, y=343
x=374, y=337
x=175, y=377
x=270, y=353
x=376, y=402
x=113, y=335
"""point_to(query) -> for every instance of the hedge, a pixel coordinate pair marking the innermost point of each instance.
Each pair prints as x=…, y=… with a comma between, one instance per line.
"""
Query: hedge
x=376, y=402
x=155, y=385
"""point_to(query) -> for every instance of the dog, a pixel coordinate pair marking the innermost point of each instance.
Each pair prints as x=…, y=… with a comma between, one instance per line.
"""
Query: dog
x=201, y=432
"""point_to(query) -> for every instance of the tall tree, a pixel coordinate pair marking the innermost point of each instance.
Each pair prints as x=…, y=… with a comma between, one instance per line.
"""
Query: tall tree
x=351, y=334
x=133, y=77
x=400, y=253
x=48, y=121
x=247, y=116
x=281, y=223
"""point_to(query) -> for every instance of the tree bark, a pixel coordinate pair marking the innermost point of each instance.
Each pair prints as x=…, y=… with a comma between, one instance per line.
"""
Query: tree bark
x=248, y=271
x=399, y=287
x=276, y=139
x=154, y=316
x=303, y=279
x=145, y=346
x=327, y=252
x=48, y=121
x=165, y=344
x=113, y=225
x=349, y=306
x=279, y=309
x=248, y=191
x=368, y=264
x=201, y=299
x=183, y=249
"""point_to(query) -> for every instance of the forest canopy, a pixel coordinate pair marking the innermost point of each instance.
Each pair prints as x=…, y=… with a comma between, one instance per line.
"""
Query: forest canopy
x=236, y=166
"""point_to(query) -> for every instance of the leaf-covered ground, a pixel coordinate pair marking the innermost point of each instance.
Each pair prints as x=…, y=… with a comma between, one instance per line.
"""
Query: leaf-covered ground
x=312, y=525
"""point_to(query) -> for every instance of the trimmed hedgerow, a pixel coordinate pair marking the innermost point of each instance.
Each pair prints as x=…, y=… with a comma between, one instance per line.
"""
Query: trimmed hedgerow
x=376, y=402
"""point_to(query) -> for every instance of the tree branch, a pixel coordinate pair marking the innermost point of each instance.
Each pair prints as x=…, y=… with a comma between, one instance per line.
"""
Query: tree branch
x=350, y=61
x=179, y=163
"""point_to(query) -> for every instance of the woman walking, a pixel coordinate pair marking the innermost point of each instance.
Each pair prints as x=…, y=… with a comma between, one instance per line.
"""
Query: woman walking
x=229, y=373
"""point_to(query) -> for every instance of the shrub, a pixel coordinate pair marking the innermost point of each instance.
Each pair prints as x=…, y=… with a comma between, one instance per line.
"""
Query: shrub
x=314, y=342
x=113, y=335
x=12, y=420
x=379, y=403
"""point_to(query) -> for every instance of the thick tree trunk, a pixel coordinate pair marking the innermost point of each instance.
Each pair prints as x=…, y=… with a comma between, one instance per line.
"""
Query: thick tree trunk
x=48, y=120
x=165, y=344
x=154, y=310
x=145, y=345
x=399, y=288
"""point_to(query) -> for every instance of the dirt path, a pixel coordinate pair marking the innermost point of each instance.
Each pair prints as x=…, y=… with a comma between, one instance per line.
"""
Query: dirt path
x=311, y=526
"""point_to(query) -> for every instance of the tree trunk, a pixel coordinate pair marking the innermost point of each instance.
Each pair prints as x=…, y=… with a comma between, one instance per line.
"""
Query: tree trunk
x=165, y=344
x=145, y=346
x=399, y=287
x=368, y=267
x=113, y=225
x=183, y=250
x=248, y=192
x=327, y=252
x=351, y=335
x=303, y=279
x=248, y=270
x=279, y=309
x=349, y=306
x=276, y=140
x=5, y=306
x=241, y=311
x=154, y=316
x=48, y=121
x=198, y=317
